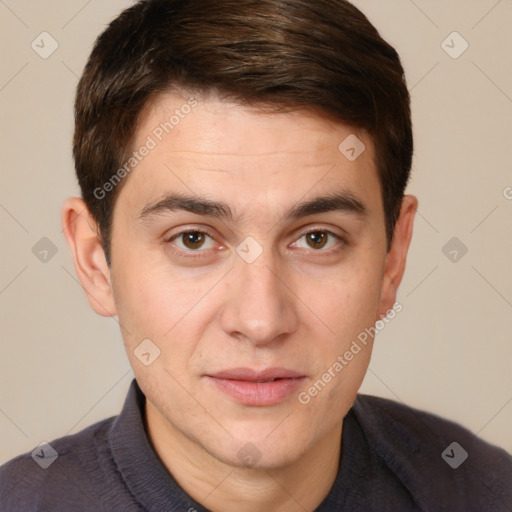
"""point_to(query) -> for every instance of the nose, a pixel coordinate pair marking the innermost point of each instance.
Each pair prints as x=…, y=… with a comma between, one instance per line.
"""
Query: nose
x=261, y=305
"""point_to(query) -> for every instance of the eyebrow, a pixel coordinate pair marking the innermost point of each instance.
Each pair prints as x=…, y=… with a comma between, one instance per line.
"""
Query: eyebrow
x=341, y=201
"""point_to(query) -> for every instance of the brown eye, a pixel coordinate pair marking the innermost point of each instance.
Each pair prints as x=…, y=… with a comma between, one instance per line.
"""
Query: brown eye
x=192, y=241
x=317, y=239
x=320, y=240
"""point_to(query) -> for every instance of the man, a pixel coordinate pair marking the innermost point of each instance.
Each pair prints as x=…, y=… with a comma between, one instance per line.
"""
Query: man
x=243, y=167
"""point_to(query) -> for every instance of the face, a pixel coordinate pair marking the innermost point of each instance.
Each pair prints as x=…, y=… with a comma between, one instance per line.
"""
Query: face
x=251, y=252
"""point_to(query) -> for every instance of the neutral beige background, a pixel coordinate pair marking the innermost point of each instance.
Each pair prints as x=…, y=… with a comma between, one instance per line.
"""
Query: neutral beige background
x=449, y=351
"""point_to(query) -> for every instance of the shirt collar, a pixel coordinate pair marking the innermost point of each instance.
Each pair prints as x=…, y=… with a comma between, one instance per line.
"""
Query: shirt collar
x=147, y=479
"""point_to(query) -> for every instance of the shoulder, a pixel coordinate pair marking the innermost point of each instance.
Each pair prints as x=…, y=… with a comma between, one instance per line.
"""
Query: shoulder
x=65, y=469
x=441, y=463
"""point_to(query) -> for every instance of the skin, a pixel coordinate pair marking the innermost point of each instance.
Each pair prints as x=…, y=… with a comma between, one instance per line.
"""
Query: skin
x=298, y=305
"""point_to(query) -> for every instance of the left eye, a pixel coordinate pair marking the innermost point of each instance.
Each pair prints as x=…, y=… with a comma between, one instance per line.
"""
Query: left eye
x=193, y=240
x=318, y=240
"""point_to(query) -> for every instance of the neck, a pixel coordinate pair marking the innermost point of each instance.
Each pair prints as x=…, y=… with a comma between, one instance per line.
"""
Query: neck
x=297, y=487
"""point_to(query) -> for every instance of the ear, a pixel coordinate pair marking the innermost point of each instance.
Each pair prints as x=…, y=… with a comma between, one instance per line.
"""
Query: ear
x=397, y=255
x=82, y=235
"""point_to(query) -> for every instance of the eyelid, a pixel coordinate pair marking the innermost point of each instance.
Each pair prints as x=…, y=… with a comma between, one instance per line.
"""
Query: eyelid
x=190, y=229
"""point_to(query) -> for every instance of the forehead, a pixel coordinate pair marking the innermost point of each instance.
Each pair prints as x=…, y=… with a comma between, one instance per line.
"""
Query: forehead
x=238, y=130
x=210, y=146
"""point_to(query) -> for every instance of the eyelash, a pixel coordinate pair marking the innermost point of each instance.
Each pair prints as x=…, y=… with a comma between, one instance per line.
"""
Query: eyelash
x=342, y=242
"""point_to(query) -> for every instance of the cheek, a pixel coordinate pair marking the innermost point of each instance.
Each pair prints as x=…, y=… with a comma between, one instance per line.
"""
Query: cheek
x=349, y=302
x=143, y=303
x=158, y=303
x=349, y=309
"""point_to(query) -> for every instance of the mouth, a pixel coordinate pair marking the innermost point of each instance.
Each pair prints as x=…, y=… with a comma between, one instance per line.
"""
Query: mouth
x=257, y=388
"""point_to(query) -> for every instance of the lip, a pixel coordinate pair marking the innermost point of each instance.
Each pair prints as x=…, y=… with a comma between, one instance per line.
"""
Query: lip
x=257, y=388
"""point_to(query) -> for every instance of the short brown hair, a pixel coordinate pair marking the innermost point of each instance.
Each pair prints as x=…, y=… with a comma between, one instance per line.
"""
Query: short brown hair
x=322, y=55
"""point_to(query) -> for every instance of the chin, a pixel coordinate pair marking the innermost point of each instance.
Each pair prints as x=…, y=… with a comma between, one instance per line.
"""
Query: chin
x=251, y=450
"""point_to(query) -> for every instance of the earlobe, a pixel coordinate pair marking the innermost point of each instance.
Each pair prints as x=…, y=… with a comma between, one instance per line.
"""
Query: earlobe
x=82, y=235
x=397, y=254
